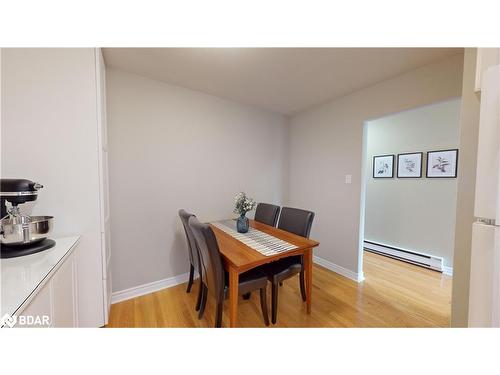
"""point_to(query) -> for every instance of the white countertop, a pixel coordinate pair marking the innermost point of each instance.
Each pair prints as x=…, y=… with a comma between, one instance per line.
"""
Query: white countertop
x=21, y=276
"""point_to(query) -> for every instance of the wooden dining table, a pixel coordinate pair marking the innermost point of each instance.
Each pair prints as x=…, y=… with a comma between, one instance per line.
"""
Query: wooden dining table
x=239, y=258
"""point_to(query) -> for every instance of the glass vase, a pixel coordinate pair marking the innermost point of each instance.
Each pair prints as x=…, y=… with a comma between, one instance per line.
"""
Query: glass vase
x=242, y=224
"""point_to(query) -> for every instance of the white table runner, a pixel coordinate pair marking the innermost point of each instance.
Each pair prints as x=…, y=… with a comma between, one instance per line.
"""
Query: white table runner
x=262, y=242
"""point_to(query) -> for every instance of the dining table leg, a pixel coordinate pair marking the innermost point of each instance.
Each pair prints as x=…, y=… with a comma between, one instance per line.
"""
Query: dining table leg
x=308, y=271
x=233, y=297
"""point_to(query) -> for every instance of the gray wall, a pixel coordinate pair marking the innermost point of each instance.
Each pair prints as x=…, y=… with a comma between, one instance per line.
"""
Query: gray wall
x=172, y=148
x=326, y=144
x=469, y=128
x=413, y=213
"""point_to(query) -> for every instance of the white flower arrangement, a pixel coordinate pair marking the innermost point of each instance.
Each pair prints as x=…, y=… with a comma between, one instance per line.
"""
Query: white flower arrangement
x=243, y=204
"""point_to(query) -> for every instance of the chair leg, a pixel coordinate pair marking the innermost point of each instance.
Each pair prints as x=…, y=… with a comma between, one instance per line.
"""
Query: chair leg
x=191, y=275
x=218, y=315
x=200, y=293
x=203, y=301
x=263, y=305
x=274, y=304
x=302, y=286
x=247, y=295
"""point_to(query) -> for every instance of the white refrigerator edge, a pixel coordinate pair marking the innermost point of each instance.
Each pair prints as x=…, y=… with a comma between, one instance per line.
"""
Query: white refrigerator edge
x=484, y=293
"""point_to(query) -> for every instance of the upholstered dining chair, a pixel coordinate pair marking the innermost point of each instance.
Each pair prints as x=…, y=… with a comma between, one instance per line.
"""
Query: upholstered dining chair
x=267, y=214
x=215, y=279
x=299, y=222
x=194, y=257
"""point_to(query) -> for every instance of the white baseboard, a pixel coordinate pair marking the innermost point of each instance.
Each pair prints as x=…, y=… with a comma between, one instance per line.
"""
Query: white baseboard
x=358, y=277
x=155, y=286
x=448, y=270
x=143, y=289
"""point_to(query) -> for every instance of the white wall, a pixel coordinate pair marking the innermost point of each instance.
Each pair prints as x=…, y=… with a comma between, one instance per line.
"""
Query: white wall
x=173, y=148
x=326, y=144
x=49, y=135
x=413, y=213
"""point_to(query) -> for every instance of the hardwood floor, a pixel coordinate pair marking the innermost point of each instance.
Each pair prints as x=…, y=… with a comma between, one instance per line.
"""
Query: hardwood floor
x=394, y=294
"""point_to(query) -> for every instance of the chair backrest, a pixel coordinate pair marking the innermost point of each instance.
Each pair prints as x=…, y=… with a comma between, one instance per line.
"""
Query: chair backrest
x=267, y=213
x=192, y=249
x=296, y=221
x=211, y=262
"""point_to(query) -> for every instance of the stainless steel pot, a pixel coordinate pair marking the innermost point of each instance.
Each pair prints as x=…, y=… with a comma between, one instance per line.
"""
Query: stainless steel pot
x=25, y=230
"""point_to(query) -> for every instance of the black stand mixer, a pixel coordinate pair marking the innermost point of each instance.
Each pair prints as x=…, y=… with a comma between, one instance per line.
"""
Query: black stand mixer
x=21, y=234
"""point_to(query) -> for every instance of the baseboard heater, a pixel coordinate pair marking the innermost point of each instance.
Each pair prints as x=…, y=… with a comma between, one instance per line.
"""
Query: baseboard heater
x=413, y=257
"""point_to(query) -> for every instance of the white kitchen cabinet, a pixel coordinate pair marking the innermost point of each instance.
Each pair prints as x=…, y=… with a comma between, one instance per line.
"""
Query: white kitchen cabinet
x=40, y=307
x=64, y=295
x=43, y=286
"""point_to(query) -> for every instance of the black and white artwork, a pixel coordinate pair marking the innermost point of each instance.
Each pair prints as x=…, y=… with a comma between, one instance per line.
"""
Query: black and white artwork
x=410, y=165
x=442, y=164
x=383, y=166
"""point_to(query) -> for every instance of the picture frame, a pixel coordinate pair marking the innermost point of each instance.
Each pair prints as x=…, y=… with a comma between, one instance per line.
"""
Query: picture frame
x=442, y=163
x=383, y=166
x=410, y=165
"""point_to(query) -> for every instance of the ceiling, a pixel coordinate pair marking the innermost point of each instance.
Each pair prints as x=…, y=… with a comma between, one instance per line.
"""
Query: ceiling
x=283, y=80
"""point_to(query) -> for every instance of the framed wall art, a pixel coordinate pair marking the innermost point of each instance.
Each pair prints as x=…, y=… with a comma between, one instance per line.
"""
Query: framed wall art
x=383, y=166
x=442, y=164
x=410, y=165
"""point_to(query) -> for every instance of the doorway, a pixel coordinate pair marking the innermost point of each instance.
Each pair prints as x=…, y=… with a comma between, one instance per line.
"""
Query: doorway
x=408, y=207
